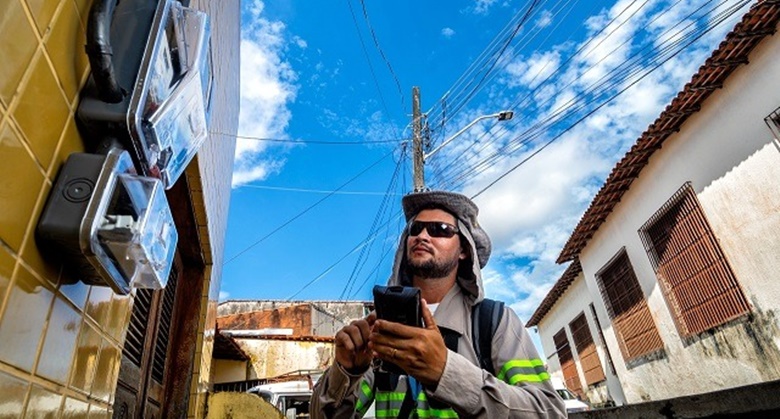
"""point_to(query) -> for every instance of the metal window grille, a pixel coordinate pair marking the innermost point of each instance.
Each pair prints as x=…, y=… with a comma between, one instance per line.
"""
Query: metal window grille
x=603, y=341
x=164, y=329
x=586, y=349
x=636, y=332
x=696, y=278
x=569, y=367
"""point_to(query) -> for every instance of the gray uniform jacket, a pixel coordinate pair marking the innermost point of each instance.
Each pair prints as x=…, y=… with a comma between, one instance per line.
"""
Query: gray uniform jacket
x=520, y=388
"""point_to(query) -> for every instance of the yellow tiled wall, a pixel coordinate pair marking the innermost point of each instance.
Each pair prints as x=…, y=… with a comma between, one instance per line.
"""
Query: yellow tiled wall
x=60, y=341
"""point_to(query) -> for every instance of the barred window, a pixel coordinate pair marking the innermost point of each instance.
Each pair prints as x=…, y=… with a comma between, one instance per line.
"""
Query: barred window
x=636, y=332
x=569, y=367
x=586, y=349
x=695, y=276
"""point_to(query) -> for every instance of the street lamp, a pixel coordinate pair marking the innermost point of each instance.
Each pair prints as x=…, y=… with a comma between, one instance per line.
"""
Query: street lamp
x=502, y=116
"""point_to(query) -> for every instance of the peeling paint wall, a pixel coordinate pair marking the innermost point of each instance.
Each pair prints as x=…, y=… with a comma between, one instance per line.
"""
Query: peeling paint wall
x=315, y=318
x=296, y=317
x=270, y=358
x=728, y=154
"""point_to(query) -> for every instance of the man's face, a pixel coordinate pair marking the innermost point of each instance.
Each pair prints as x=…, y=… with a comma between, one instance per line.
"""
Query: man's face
x=433, y=257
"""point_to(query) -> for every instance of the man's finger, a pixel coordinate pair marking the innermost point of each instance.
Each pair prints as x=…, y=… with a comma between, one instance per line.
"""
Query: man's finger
x=358, y=332
x=364, y=329
x=343, y=340
x=427, y=316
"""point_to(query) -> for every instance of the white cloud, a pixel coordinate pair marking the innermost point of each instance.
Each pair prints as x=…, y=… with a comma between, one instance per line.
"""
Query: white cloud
x=545, y=19
x=267, y=88
x=534, y=70
x=481, y=7
x=448, y=33
x=300, y=42
x=223, y=295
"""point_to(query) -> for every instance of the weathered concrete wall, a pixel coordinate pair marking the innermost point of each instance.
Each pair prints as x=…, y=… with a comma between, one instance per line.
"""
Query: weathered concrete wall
x=342, y=309
x=226, y=371
x=270, y=358
x=733, y=163
x=295, y=317
x=316, y=318
x=576, y=300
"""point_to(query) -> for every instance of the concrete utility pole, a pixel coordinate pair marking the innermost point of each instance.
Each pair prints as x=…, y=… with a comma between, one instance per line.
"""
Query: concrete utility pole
x=417, y=151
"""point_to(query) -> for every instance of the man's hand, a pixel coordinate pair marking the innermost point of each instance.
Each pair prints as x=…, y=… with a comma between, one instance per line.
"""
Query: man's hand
x=352, y=351
x=418, y=351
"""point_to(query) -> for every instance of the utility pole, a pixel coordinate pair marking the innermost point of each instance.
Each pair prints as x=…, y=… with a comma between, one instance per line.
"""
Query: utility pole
x=417, y=150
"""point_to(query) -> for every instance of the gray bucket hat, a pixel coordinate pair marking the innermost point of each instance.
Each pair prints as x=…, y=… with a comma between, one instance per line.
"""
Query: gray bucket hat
x=463, y=208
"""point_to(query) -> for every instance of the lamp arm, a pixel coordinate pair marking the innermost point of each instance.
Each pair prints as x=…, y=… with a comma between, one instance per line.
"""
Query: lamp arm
x=462, y=130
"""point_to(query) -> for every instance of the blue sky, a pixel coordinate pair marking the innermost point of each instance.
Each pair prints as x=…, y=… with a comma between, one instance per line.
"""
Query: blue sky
x=584, y=77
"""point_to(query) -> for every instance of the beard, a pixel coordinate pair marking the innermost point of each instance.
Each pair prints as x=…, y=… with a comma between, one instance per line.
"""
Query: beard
x=431, y=268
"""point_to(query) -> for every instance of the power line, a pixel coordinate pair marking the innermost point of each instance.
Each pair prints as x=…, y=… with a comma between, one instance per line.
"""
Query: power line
x=358, y=265
x=382, y=53
x=319, y=191
x=353, y=250
x=721, y=18
x=300, y=214
x=458, y=92
x=614, y=78
x=520, y=104
x=370, y=65
x=283, y=140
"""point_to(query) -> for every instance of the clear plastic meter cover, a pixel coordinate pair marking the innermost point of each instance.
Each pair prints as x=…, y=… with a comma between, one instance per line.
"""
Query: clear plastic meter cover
x=137, y=231
x=178, y=87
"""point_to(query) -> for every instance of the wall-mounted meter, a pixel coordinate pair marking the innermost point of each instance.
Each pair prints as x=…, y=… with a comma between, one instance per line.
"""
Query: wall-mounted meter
x=107, y=225
x=152, y=89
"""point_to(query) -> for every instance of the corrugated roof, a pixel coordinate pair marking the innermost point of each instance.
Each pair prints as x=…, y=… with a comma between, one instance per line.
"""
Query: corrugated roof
x=557, y=290
x=759, y=22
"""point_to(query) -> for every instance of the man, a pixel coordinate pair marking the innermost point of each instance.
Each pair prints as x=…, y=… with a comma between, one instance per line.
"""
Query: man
x=441, y=251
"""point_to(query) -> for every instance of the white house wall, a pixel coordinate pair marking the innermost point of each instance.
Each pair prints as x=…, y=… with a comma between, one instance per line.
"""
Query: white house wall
x=728, y=154
x=576, y=300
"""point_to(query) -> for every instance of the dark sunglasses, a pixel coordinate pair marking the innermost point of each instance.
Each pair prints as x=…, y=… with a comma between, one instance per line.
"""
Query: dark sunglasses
x=434, y=228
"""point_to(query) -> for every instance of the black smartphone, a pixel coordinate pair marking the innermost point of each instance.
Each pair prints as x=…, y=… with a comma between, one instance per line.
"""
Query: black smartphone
x=397, y=304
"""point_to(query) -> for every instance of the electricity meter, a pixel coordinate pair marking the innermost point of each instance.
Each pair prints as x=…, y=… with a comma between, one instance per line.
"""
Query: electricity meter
x=161, y=71
x=107, y=225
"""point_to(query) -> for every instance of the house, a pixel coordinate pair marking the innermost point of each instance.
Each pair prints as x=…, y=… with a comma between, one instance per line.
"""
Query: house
x=281, y=337
x=672, y=288
x=71, y=349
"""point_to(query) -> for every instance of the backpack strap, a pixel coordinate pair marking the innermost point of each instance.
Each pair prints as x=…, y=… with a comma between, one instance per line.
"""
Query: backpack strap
x=485, y=318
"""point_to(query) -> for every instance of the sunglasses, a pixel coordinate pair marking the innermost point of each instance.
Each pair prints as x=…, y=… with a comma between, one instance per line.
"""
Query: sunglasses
x=434, y=228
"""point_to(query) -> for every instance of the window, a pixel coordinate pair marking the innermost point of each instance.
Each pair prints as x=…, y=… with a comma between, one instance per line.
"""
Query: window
x=570, y=374
x=627, y=308
x=697, y=281
x=586, y=349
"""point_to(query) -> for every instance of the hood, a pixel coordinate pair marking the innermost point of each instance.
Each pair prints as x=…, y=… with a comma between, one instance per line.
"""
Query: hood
x=474, y=240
